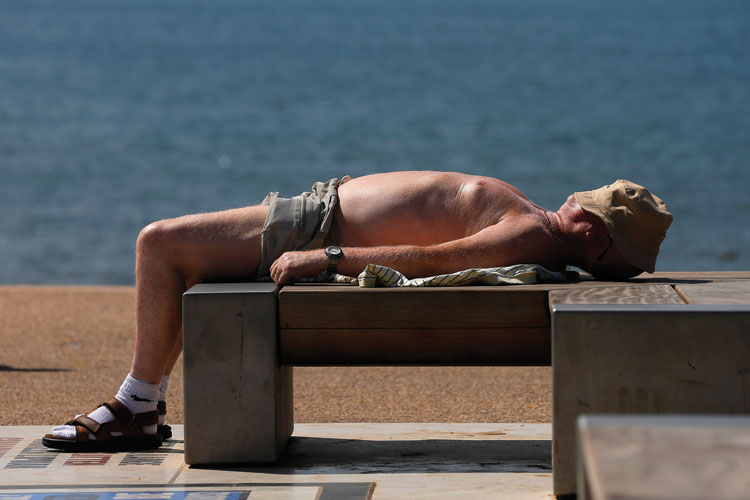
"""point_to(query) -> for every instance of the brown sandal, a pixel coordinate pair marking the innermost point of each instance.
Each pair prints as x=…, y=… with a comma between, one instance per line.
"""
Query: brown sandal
x=130, y=426
x=163, y=430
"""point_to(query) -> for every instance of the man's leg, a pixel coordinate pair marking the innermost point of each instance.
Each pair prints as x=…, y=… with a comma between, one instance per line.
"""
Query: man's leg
x=163, y=429
x=172, y=255
x=174, y=356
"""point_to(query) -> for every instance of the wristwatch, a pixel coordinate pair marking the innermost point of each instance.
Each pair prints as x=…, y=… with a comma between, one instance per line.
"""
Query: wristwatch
x=334, y=253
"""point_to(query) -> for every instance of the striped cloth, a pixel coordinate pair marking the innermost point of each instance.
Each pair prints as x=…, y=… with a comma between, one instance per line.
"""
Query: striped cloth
x=520, y=274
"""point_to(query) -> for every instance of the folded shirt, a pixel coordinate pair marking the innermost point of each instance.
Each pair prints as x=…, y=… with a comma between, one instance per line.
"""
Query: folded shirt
x=519, y=274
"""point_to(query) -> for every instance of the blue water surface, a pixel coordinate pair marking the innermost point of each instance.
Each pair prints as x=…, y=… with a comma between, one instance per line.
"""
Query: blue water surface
x=114, y=114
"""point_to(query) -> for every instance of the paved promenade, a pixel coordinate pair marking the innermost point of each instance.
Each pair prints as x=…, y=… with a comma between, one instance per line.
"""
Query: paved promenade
x=64, y=350
x=323, y=462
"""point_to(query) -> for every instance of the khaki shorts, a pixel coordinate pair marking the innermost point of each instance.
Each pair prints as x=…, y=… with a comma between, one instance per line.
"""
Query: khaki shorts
x=303, y=222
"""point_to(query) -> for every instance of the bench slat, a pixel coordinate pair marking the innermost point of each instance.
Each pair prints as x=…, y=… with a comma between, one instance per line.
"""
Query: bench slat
x=729, y=292
x=410, y=346
x=634, y=294
x=474, y=307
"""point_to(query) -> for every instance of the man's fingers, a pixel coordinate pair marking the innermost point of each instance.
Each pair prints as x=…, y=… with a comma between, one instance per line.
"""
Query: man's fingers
x=291, y=265
x=280, y=270
x=281, y=279
x=276, y=273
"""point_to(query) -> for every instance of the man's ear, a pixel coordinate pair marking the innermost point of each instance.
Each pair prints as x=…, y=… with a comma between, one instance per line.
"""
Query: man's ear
x=591, y=236
x=594, y=236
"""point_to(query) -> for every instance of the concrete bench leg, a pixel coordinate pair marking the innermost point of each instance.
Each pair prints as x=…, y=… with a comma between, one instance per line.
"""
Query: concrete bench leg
x=644, y=359
x=238, y=399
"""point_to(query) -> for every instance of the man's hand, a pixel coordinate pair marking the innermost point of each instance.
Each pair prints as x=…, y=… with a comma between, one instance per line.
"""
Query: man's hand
x=297, y=264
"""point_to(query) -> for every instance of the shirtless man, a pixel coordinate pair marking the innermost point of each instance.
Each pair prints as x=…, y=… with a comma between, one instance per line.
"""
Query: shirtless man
x=420, y=223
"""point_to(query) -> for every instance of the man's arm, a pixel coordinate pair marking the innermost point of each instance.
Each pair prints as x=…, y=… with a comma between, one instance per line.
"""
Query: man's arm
x=502, y=244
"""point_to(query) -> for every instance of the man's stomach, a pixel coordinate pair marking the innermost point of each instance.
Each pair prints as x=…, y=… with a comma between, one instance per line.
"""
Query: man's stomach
x=407, y=208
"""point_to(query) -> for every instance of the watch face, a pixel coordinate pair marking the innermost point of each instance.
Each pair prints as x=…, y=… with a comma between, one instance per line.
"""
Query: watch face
x=333, y=252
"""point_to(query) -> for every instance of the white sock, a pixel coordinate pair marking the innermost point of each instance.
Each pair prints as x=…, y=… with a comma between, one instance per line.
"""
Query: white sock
x=138, y=396
x=163, y=388
x=163, y=396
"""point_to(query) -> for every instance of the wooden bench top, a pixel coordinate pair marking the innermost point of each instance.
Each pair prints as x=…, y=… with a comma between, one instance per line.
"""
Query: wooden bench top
x=481, y=325
x=484, y=325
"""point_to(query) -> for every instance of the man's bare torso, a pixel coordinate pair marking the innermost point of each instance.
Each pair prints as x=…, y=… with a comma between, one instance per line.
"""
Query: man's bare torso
x=424, y=208
x=430, y=223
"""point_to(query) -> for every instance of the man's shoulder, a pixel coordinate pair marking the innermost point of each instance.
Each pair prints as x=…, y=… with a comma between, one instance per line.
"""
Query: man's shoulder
x=521, y=223
x=519, y=238
x=530, y=227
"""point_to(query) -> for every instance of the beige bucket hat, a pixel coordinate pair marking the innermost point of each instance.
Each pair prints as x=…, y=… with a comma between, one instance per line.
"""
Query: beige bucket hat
x=637, y=220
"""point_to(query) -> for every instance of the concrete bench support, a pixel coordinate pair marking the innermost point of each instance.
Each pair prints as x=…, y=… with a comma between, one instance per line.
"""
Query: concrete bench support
x=628, y=359
x=238, y=399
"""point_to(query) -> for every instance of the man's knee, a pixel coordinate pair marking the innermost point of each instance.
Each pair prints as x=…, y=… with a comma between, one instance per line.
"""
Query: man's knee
x=156, y=237
x=175, y=243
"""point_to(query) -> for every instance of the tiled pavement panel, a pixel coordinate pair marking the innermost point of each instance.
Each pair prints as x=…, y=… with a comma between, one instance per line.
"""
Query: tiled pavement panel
x=321, y=462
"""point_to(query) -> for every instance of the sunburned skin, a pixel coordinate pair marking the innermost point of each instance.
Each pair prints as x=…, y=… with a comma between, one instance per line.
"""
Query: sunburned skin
x=423, y=208
x=427, y=223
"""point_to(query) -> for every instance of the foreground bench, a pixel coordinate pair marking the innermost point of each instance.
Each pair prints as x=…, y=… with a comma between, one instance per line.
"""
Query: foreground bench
x=242, y=340
x=670, y=457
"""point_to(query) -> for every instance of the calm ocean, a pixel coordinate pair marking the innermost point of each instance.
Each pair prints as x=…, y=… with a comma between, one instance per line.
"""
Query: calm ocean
x=114, y=114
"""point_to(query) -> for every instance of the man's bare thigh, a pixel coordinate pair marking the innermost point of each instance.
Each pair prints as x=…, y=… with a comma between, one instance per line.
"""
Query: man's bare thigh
x=220, y=245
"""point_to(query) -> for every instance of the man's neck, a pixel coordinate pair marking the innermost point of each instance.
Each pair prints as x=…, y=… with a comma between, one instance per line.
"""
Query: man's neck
x=572, y=226
x=555, y=227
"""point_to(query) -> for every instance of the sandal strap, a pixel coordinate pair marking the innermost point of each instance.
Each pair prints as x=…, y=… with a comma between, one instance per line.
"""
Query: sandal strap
x=123, y=415
x=119, y=410
x=82, y=434
x=147, y=418
x=87, y=423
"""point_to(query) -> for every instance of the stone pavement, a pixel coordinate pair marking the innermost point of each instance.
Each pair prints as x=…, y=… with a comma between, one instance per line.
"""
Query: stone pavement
x=322, y=462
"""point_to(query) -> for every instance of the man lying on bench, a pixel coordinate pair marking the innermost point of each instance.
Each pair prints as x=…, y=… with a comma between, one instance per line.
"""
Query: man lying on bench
x=420, y=223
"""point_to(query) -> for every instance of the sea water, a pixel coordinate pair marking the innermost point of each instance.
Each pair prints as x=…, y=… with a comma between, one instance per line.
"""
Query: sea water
x=114, y=114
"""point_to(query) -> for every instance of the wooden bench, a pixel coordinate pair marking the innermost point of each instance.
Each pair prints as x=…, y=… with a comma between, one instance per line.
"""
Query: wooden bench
x=242, y=340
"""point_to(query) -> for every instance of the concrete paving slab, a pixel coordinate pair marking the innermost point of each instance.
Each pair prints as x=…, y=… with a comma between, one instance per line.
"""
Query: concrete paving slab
x=669, y=457
x=322, y=461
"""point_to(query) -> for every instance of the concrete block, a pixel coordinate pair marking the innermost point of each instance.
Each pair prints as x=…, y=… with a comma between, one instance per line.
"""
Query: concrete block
x=644, y=359
x=238, y=399
x=663, y=456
